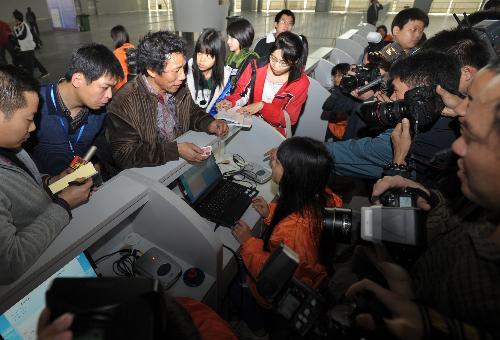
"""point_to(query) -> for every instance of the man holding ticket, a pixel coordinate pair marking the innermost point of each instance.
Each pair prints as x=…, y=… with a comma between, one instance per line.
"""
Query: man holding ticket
x=150, y=112
x=30, y=218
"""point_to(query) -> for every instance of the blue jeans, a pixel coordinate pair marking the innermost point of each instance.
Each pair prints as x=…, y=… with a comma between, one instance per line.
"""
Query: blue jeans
x=362, y=158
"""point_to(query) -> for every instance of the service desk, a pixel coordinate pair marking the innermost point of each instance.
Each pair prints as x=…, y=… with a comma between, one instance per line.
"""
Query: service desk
x=138, y=209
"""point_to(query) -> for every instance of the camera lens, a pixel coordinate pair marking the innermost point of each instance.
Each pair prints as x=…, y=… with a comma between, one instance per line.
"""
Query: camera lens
x=383, y=114
x=338, y=222
x=348, y=84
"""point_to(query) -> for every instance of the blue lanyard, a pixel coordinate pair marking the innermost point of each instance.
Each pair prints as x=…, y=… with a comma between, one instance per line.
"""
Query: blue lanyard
x=61, y=121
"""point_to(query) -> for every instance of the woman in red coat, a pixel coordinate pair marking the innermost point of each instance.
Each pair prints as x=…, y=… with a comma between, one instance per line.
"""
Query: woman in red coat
x=270, y=86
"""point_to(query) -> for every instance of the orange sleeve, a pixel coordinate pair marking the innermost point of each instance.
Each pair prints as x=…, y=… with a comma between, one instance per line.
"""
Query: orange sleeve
x=210, y=325
x=122, y=58
x=333, y=200
x=254, y=256
x=272, y=209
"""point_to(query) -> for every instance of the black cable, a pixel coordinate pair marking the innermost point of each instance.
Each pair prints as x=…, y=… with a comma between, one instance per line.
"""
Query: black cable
x=111, y=254
x=124, y=266
x=239, y=273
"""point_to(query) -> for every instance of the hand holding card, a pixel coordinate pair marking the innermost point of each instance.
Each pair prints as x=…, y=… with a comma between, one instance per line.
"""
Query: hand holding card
x=207, y=150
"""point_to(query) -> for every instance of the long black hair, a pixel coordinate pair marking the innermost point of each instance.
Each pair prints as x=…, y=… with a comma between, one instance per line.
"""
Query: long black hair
x=307, y=167
x=295, y=49
x=210, y=42
x=119, y=35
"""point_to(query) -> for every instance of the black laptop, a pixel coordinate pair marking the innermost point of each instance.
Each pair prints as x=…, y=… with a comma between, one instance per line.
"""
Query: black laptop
x=214, y=197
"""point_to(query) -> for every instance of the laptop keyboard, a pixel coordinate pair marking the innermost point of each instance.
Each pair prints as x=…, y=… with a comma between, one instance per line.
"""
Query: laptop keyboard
x=226, y=204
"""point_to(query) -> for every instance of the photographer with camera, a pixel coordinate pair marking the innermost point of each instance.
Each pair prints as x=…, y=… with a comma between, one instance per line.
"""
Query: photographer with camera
x=407, y=26
x=415, y=99
x=472, y=54
x=337, y=120
x=453, y=289
x=370, y=155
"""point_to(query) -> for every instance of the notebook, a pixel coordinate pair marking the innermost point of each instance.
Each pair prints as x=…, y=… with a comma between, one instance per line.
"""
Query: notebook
x=213, y=197
x=20, y=321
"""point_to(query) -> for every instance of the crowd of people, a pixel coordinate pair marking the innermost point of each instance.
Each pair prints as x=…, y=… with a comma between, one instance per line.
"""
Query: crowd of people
x=135, y=101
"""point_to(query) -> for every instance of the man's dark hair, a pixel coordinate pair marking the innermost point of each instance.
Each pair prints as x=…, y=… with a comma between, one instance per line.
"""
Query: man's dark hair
x=119, y=35
x=14, y=82
x=278, y=15
x=94, y=61
x=18, y=15
x=464, y=44
x=241, y=30
x=426, y=68
x=409, y=14
x=341, y=68
x=155, y=50
x=295, y=49
x=382, y=27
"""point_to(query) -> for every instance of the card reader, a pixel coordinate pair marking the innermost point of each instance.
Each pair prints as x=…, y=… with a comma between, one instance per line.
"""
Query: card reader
x=158, y=265
x=256, y=173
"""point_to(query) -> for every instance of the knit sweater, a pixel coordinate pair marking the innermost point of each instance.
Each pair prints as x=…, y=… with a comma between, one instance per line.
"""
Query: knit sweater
x=29, y=220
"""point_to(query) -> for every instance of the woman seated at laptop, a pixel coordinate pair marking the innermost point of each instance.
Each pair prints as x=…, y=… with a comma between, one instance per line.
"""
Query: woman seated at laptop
x=302, y=168
x=272, y=86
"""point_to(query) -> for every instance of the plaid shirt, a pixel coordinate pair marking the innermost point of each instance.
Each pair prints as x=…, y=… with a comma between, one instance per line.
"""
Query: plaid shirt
x=166, y=119
x=459, y=276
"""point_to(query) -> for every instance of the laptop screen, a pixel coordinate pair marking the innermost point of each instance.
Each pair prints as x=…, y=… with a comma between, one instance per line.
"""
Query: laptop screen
x=201, y=178
x=20, y=321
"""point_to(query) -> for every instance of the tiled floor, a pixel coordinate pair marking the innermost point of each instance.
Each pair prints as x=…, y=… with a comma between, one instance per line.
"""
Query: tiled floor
x=320, y=29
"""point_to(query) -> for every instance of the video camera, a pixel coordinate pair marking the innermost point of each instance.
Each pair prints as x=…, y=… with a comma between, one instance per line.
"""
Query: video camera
x=487, y=30
x=421, y=105
x=367, y=76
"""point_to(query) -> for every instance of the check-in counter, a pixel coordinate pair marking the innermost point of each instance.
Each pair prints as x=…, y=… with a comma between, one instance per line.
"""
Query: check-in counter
x=140, y=208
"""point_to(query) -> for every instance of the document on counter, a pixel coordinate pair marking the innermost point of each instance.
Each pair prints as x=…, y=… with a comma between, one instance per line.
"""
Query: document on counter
x=232, y=117
x=85, y=171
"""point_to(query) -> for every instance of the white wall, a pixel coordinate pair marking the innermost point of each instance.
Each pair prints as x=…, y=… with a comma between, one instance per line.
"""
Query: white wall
x=119, y=6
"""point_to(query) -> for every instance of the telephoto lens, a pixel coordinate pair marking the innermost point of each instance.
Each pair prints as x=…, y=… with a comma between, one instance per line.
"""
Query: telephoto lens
x=421, y=105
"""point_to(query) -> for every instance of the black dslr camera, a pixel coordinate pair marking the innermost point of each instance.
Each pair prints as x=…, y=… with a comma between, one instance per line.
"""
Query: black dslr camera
x=363, y=74
x=398, y=224
x=311, y=314
x=111, y=307
x=421, y=105
x=131, y=54
x=368, y=76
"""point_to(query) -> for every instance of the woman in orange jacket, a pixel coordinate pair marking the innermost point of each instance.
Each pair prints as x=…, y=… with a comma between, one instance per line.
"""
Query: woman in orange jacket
x=122, y=43
x=301, y=167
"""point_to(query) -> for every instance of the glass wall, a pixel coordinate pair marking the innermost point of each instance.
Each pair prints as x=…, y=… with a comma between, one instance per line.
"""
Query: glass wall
x=159, y=5
x=438, y=6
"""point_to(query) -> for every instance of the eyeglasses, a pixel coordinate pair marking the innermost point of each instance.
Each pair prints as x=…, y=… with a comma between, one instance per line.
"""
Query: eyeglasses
x=274, y=60
x=284, y=22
